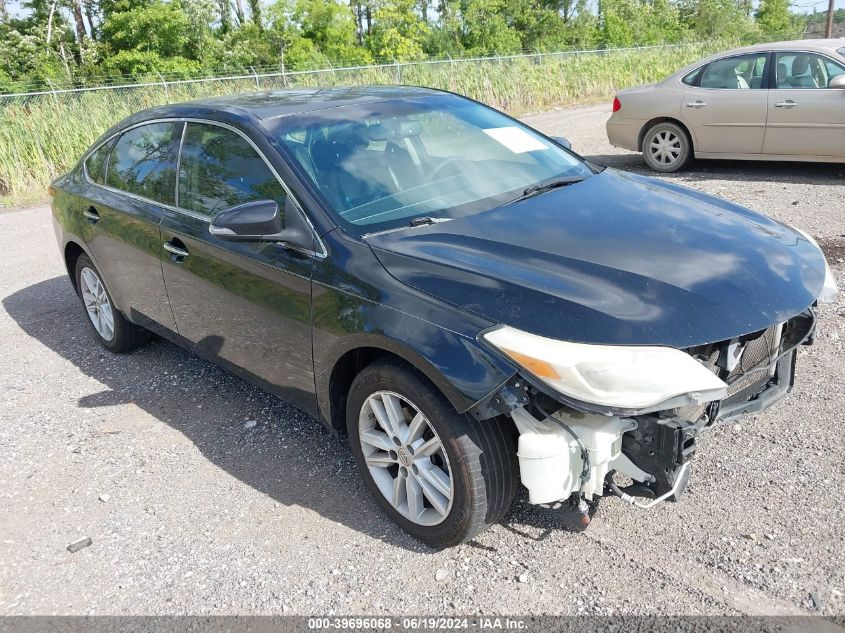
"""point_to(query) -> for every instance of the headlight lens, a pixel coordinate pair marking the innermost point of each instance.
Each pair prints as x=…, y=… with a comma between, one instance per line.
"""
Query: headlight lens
x=614, y=376
x=829, y=289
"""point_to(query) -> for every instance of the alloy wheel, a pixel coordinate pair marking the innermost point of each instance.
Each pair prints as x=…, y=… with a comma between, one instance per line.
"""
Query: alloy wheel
x=406, y=458
x=665, y=147
x=97, y=303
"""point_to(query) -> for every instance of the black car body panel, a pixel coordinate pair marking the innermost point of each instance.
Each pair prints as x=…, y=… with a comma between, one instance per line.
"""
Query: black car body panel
x=357, y=305
x=616, y=259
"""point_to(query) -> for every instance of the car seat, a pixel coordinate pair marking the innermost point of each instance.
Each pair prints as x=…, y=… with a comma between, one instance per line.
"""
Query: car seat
x=801, y=77
x=783, y=76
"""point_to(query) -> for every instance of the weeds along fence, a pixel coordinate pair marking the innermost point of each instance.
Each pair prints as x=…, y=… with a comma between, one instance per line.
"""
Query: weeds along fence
x=43, y=133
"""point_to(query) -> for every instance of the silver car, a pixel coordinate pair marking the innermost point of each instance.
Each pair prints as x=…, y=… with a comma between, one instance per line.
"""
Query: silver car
x=776, y=101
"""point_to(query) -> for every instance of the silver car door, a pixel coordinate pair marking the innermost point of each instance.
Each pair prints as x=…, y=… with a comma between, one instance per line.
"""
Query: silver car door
x=806, y=116
x=726, y=106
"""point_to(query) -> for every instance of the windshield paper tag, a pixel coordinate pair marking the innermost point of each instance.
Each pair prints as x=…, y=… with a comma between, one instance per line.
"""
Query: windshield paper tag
x=516, y=140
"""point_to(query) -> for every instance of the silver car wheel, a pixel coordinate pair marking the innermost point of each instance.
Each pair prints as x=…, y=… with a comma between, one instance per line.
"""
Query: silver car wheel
x=665, y=147
x=97, y=303
x=406, y=458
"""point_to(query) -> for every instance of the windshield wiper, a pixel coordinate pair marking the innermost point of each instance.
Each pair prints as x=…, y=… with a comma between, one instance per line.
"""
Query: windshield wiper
x=535, y=190
x=425, y=219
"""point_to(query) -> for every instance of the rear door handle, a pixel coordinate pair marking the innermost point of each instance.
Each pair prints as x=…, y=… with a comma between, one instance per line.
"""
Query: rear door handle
x=91, y=214
x=696, y=104
x=178, y=252
x=789, y=103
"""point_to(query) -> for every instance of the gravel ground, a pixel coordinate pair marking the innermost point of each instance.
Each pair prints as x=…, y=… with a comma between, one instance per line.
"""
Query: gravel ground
x=204, y=495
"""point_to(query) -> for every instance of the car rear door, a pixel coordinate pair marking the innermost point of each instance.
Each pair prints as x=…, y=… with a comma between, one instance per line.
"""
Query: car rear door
x=805, y=116
x=725, y=105
x=248, y=303
x=134, y=181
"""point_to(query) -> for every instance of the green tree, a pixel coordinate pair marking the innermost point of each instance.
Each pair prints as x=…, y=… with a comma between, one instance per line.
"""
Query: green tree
x=155, y=38
x=485, y=30
x=539, y=23
x=775, y=19
x=398, y=33
x=717, y=19
x=28, y=61
x=161, y=27
x=332, y=28
x=582, y=26
x=246, y=47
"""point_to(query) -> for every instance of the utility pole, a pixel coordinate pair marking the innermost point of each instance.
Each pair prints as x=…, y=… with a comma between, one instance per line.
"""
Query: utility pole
x=828, y=29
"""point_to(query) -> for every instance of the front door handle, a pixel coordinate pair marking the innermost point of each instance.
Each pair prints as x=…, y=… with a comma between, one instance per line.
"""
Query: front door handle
x=696, y=104
x=179, y=253
x=789, y=103
x=91, y=214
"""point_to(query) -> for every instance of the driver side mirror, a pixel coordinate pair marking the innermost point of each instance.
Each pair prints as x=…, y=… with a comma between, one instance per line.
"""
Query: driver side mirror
x=562, y=141
x=837, y=82
x=261, y=221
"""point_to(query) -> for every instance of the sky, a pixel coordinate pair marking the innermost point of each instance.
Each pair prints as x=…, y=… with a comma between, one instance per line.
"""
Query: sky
x=800, y=6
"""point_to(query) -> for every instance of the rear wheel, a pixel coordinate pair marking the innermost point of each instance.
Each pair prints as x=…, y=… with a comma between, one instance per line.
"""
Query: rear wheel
x=440, y=475
x=113, y=331
x=666, y=147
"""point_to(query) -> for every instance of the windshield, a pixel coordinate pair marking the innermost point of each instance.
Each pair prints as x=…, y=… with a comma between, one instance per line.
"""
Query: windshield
x=381, y=165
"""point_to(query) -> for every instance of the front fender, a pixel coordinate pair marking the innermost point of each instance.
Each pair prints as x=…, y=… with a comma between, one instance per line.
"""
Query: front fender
x=463, y=371
x=357, y=304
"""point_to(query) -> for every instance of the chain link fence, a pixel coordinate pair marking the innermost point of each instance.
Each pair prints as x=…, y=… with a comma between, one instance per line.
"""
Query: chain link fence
x=269, y=78
x=42, y=133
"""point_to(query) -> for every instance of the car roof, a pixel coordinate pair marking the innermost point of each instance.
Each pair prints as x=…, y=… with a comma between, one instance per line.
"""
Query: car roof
x=829, y=46
x=273, y=104
x=269, y=104
x=276, y=103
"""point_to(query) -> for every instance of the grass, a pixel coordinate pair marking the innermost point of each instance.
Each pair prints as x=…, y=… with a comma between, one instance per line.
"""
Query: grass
x=42, y=136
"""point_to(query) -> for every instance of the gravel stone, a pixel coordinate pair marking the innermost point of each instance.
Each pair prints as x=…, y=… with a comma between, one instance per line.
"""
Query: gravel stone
x=79, y=544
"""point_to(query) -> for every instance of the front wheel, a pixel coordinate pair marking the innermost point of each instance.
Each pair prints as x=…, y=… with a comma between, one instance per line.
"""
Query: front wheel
x=666, y=147
x=440, y=475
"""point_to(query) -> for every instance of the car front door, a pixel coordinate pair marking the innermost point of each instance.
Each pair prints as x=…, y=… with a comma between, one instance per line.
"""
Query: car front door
x=133, y=180
x=806, y=116
x=725, y=105
x=248, y=303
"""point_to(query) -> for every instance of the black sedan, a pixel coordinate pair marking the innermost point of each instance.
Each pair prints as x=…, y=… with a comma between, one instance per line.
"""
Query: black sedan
x=475, y=304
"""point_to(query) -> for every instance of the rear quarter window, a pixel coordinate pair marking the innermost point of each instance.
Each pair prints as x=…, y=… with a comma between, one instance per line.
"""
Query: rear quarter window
x=95, y=165
x=691, y=79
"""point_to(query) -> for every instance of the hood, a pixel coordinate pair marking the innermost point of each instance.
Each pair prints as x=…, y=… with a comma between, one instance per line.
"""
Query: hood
x=616, y=259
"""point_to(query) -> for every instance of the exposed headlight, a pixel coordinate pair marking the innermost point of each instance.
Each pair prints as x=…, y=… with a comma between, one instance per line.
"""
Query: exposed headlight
x=829, y=289
x=613, y=376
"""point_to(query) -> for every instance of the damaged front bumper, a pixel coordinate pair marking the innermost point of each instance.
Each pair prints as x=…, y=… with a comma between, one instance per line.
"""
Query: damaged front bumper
x=568, y=452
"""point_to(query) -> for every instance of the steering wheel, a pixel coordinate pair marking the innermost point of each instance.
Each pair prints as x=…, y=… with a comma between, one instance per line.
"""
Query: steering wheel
x=435, y=175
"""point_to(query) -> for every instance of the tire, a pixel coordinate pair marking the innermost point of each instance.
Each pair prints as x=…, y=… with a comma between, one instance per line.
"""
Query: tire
x=117, y=334
x=478, y=458
x=667, y=147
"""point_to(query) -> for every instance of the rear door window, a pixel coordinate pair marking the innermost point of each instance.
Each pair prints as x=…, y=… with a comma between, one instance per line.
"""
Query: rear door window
x=219, y=169
x=743, y=72
x=143, y=162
